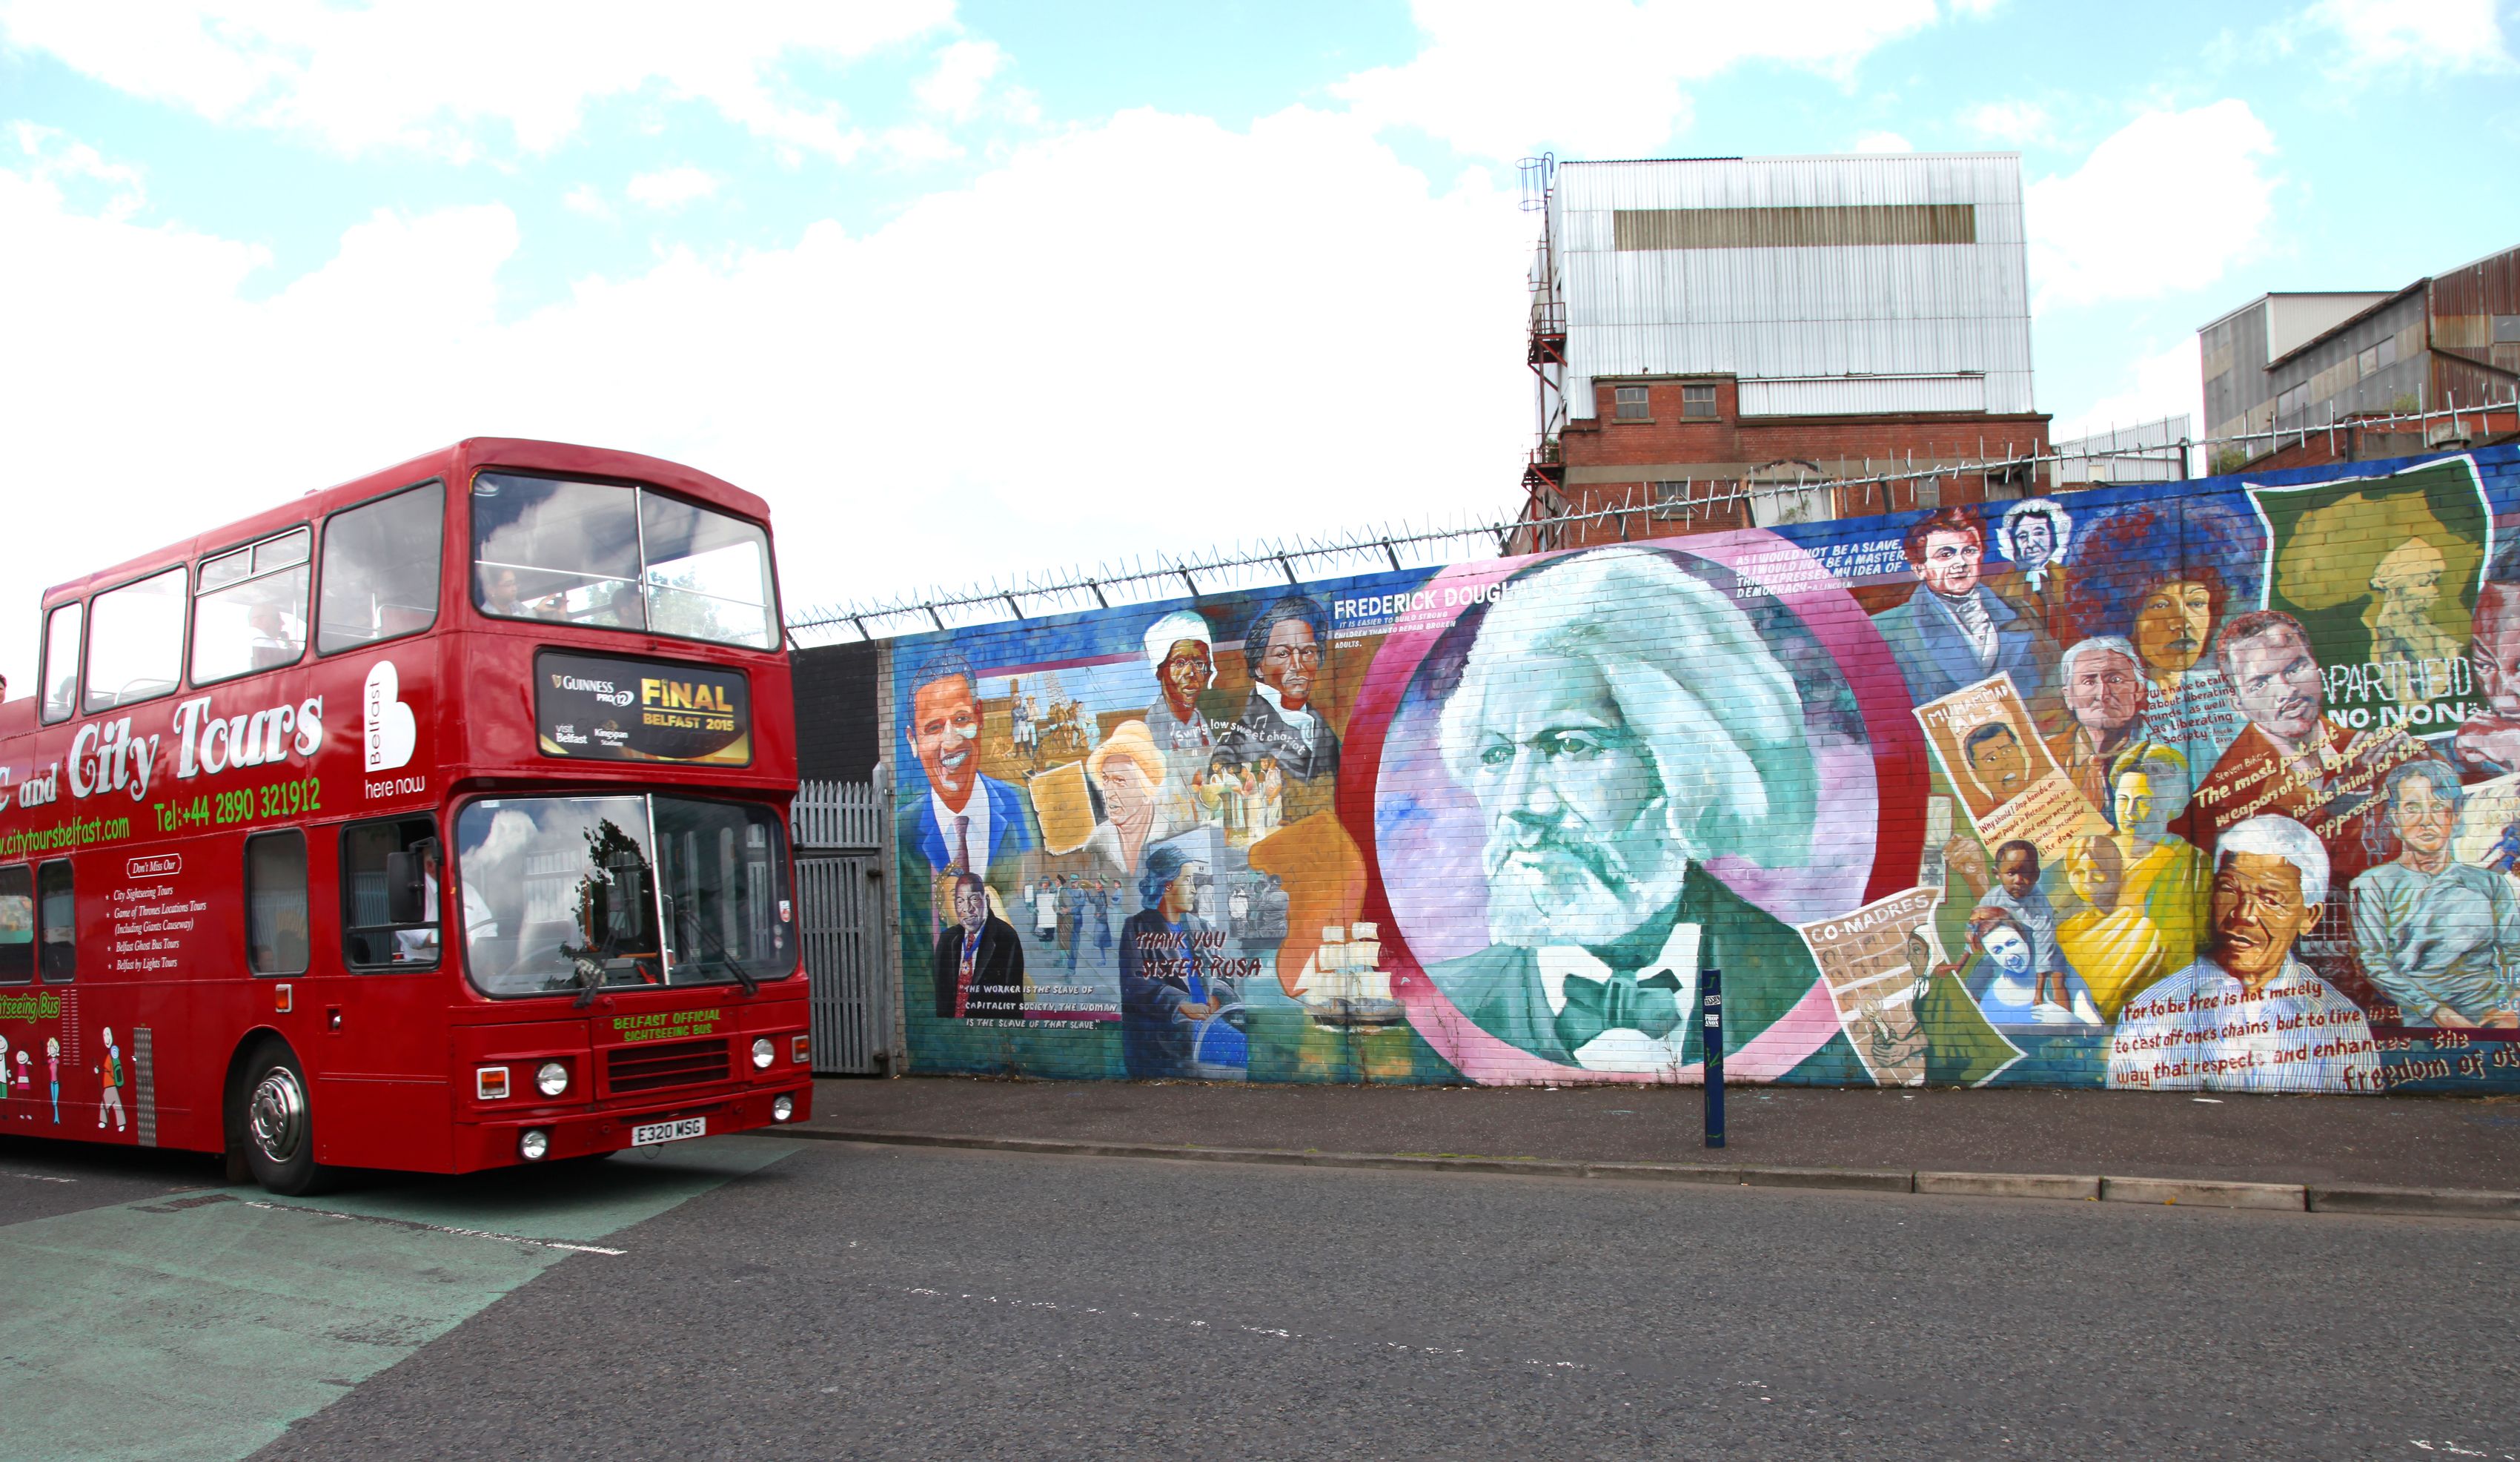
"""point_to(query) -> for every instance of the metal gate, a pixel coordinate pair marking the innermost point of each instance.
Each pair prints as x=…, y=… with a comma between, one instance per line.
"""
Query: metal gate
x=837, y=826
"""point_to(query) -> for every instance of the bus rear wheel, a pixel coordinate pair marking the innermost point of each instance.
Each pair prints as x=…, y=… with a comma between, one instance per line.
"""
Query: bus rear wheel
x=274, y=1120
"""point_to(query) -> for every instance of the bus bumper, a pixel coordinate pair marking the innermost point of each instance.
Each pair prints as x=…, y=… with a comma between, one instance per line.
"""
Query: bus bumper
x=582, y=1134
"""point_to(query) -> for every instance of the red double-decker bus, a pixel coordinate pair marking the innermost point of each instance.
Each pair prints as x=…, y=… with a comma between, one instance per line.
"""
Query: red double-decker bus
x=435, y=821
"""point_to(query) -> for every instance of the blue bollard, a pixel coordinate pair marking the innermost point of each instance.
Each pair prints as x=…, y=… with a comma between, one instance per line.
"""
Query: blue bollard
x=1710, y=1000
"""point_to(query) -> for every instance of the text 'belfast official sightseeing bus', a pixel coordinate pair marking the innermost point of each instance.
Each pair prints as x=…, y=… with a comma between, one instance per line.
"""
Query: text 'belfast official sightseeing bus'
x=435, y=821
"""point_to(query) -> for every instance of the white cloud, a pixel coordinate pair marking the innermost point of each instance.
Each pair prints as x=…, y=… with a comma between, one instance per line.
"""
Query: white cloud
x=1034, y=370
x=2015, y=123
x=588, y=200
x=431, y=73
x=64, y=164
x=671, y=187
x=2164, y=383
x=1883, y=141
x=2367, y=39
x=2167, y=203
x=1602, y=78
x=961, y=76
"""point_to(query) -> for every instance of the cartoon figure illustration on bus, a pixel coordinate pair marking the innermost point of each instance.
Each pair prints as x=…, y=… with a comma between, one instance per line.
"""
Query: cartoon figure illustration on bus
x=53, y=1060
x=111, y=1072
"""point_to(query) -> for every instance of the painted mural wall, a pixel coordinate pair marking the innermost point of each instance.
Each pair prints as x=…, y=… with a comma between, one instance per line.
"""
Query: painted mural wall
x=2205, y=786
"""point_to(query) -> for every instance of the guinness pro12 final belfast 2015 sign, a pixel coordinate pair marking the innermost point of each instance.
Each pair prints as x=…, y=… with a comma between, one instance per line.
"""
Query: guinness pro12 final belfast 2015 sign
x=617, y=710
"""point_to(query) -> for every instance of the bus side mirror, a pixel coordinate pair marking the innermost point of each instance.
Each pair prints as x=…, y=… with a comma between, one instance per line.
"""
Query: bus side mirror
x=404, y=903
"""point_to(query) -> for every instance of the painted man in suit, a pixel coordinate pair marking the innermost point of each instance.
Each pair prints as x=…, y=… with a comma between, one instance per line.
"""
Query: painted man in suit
x=1286, y=647
x=966, y=823
x=1953, y=630
x=1620, y=722
x=980, y=961
x=2035, y=536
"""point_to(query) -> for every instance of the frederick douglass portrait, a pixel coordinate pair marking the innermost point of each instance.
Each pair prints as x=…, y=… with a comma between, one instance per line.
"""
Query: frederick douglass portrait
x=1619, y=722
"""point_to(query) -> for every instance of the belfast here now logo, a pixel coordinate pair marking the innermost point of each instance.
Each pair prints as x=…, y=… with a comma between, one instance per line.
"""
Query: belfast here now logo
x=392, y=732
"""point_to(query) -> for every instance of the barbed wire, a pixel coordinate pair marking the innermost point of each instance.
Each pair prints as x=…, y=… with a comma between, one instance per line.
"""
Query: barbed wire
x=883, y=618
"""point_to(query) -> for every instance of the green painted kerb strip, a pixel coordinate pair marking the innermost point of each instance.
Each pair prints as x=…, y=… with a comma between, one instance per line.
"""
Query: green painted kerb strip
x=195, y=1328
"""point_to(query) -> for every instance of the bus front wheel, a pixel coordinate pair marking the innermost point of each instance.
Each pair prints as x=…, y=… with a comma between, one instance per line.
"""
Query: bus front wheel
x=274, y=1120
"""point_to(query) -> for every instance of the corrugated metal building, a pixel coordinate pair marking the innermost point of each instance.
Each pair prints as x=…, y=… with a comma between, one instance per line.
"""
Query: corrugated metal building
x=1860, y=285
x=1724, y=337
x=2303, y=363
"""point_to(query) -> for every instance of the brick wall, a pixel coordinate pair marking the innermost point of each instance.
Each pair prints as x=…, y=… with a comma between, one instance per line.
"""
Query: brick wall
x=1486, y=823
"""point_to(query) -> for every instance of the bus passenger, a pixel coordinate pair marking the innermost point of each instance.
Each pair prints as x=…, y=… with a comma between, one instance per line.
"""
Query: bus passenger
x=276, y=642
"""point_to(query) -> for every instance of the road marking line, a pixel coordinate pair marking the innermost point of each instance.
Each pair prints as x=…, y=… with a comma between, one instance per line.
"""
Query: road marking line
x=38, y=1178
x=1272, y=1332
x=439, y=1228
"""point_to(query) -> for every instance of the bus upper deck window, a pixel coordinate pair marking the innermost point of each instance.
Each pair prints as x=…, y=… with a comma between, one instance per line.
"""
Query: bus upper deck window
x=380, y=562
x=135, y=648
x=17, y=924
x=552, y=550
x=56, y=922
x=60, y=674
x=709, y=574
x=249, y=610
x=620, y=558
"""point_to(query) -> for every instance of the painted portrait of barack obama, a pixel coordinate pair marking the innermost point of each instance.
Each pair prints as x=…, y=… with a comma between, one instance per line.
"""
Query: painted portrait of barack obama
x=1629, y=742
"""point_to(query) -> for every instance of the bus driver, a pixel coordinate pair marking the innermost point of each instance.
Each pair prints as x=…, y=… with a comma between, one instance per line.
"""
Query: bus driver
x=421, y=944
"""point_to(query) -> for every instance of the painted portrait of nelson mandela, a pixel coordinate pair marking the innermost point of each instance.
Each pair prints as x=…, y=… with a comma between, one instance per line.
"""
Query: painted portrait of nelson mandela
x=1620, y=722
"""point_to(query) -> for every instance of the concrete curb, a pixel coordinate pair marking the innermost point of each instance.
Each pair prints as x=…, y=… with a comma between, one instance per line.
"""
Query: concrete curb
x=2205, y=1193
x=2294, y=1198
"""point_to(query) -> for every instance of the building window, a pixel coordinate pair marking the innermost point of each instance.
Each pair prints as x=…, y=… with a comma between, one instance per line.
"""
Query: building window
x=1631, y=405
x=2289, y=401
x=1697, y=402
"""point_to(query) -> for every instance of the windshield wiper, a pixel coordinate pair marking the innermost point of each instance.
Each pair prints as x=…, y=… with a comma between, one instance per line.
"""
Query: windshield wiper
x=724, y=956
x=590, y=973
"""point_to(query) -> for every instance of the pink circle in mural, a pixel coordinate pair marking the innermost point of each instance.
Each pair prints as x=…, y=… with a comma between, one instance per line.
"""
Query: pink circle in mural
x=1702, y=634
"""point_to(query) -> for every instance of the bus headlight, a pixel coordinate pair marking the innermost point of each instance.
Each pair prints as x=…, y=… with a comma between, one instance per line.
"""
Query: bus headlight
x=763, y=1053
x=782, y=1107
x=533, y=1145
x=552, y=1079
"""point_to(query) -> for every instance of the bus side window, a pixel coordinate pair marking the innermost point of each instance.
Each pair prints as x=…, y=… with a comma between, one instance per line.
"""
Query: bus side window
x=275, y=903
x=17, y=924
x=380, y=562
x=135, y=645
x=250, y=609
x=58, y=679
x=56, y=923
x=376, y=934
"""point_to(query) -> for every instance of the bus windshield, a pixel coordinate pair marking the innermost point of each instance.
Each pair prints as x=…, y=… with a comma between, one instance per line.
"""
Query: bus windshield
x=571, y=892
x=620, y=558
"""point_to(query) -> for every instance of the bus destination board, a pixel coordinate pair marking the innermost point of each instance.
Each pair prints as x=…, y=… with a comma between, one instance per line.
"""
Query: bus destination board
x=617, y=710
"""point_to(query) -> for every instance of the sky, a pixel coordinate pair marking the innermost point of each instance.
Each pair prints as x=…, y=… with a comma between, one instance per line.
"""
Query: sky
x=974, y=292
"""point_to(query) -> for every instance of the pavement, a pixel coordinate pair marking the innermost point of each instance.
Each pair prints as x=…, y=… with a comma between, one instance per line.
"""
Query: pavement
x=764, y=1297
x=2469, y=1144
x=892, y=1301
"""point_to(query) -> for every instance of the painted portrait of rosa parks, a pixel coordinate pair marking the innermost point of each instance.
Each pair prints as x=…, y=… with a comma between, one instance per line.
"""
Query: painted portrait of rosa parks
x=1623, y=740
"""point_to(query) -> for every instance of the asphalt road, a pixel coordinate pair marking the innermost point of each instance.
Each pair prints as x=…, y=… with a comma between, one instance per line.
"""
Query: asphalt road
x=804, y=1298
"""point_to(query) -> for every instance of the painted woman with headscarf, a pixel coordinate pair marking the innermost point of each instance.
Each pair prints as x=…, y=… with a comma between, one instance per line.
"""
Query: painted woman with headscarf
x=1166, y=977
